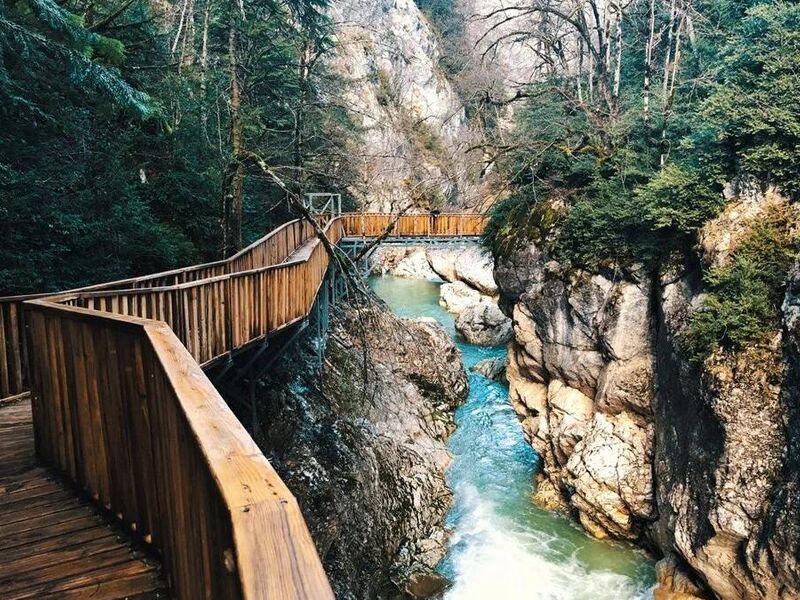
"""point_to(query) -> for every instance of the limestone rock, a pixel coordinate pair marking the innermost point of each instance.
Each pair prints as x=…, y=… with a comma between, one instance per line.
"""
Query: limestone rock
x=611, y=472
x=364, y=450
x=475, y=267
x=414, y=265
x=388, y=58
x=701, y=460
x=386, y=258
x=674, y=583
x=443, y=261
x=569, y=417
x=492, y=368
x=458, y=296
x=484, y=324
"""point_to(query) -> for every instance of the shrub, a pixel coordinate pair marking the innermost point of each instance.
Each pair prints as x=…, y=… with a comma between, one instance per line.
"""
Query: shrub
x=515, y=220
x=744, y=296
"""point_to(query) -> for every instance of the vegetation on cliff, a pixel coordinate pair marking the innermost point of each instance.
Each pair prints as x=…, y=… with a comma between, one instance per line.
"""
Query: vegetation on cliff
x=639, y=132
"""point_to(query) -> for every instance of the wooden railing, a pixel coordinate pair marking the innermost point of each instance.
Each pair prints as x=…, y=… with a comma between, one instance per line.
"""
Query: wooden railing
x=121, y=404
x=424, y=225
x=121, y=408
x=168, y=304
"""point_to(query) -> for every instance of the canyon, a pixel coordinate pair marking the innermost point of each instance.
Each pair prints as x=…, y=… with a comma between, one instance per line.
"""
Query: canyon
x=693, y=460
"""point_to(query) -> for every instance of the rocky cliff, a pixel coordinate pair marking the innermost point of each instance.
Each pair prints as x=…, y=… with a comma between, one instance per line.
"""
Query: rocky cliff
x=695, y=461
x=413, y=128
x=361, y=443
x=417, y=142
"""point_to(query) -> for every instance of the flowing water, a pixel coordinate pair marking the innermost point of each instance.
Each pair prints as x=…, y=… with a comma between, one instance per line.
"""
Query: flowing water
x=502, y=546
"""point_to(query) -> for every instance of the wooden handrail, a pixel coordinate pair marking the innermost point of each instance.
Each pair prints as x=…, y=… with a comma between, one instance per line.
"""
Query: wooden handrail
x=122, y=407
x=274, y=247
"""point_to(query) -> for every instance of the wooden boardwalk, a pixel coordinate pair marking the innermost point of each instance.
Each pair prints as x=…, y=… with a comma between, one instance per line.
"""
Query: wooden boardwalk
x=121, y=409
x=53, y=543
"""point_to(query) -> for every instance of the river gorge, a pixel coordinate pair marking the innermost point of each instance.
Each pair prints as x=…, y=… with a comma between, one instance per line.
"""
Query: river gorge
x=501, y=545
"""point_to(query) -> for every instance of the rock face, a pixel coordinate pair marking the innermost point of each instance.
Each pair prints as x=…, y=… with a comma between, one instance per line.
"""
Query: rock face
x=458, y=296
x=413, y=128
x=484, y=324
x=491, y=368
x=366, y=457
x=700, y=462
x=475, y=267
x=580, y=374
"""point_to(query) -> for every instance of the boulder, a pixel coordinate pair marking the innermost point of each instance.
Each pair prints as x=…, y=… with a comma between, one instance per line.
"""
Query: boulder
x=443, y=261
x=475, y=267
x=386, y=258
x=414, y=265
x=492, y=368
x=484, y=324
x=457, y=296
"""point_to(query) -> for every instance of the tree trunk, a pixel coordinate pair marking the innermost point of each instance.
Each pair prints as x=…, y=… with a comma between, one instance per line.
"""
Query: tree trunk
x=298, y=142
x=618, y=61
x=670, y=77
x=234, y=173
x=648, y=61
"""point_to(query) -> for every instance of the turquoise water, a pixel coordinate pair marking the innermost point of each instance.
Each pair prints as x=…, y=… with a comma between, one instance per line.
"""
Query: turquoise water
x=501, y=545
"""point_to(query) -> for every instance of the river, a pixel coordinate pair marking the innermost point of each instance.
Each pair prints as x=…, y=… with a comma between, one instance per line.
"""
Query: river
x=502, y=546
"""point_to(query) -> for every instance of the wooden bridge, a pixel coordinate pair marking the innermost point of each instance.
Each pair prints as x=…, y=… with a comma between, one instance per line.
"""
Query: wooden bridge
x=123, y=473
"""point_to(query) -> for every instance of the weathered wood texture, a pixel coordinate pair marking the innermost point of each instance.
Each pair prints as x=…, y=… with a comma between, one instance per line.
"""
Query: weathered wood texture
x=52, y=544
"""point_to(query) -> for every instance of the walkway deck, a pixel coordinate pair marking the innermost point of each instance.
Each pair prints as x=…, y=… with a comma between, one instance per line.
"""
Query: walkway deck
x=53, y=544
x=121, y=408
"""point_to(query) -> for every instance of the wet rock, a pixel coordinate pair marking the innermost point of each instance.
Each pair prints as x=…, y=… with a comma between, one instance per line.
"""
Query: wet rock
x=458, y=296
x=674, y=583
x=475, y=267
x=425, y=583
x=363, y=447
x=484, y=324
x=492, y=368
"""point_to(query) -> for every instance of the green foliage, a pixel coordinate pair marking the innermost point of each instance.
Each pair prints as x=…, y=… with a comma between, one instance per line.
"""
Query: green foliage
x=450, y=25
x=90, y=191
x=744, y=295
x=513, y=221
x=754, y=107
x=50, y=37
x=636, y=189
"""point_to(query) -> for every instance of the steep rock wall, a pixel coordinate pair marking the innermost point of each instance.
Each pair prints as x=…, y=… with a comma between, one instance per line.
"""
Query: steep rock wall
x=698, y=462
x=362, y=445
x=413, y=128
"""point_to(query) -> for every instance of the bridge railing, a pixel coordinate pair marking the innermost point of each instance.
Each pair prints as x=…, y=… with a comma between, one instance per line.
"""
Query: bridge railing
x=414, y=225
x=121, y=408
x=215, y=316
x=157, y=298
